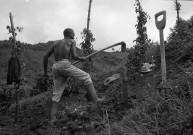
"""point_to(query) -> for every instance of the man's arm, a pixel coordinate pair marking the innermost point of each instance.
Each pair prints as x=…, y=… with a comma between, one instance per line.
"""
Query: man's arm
x=45, y=61
x=74, y=54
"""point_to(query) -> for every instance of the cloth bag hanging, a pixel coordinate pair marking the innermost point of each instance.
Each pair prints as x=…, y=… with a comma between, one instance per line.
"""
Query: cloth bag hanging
x=14, y=71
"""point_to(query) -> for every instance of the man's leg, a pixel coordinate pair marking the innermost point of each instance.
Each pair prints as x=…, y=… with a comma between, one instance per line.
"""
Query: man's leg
x=72, y=71
x=59, y=86
x=53, y=110
x=92, y=93
x=85, y=77
x=59, y=79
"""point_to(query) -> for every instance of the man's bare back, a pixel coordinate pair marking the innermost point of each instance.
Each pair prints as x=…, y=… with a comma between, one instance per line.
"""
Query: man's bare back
x=63, y=48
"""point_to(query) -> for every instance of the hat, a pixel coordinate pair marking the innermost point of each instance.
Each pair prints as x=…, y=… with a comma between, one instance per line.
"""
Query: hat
x=146, y=68
x=110, y=79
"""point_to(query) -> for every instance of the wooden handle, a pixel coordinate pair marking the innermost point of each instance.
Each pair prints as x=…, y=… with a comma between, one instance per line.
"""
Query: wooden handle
x=160, y=24
x=123, y=49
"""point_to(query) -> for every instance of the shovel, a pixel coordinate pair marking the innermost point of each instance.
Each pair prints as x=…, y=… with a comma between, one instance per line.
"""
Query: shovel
x=160, y=26
x=123, y=49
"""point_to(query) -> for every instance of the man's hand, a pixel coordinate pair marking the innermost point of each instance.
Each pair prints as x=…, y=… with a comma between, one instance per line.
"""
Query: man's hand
x=82, y=59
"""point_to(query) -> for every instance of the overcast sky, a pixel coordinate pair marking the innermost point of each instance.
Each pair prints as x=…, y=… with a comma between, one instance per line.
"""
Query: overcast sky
x=111, y=21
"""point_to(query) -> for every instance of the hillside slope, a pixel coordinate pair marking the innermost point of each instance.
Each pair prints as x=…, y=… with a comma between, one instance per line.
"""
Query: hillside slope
x=76, y=116
x=105, y=64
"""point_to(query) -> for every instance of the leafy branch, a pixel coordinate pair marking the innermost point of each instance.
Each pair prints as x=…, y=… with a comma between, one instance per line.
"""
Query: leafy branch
x=137, y=57
x=87, y=46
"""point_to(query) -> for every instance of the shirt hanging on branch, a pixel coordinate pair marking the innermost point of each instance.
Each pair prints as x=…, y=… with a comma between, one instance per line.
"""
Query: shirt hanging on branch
x=14, y=71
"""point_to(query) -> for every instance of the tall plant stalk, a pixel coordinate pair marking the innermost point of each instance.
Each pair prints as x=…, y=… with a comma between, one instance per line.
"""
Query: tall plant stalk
x=88, y=19
x=86, y=45
x=177, y=8
x=137, y=57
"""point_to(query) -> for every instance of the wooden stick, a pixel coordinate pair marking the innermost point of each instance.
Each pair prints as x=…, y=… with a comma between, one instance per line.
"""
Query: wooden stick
x=89, y=10
x=123, y=49
x=16, y=102
x=125, y=92
x=12, y=30
x=163, y=60
x=15, y=53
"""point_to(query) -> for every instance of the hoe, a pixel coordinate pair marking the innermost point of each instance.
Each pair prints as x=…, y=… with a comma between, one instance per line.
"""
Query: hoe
x=123, y=49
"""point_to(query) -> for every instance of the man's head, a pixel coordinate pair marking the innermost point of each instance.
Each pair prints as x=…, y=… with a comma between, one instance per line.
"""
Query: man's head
x=69, y=33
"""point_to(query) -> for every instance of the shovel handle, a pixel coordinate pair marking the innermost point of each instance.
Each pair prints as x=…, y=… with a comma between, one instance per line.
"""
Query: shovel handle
x=160, y=24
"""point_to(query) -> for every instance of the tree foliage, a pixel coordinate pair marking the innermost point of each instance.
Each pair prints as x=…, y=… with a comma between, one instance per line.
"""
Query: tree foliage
x=87, y=46
x=181, y=38
x=177, y=8
x=140, y=26
x=16, y=48
x=88, y=38
x=136, y=58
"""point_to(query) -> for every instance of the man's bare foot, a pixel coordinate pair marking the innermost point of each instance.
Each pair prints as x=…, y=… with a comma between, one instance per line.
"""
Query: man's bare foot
x=52, y=122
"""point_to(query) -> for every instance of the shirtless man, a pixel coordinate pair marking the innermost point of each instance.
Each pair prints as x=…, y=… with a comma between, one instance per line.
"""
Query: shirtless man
x=62, y=69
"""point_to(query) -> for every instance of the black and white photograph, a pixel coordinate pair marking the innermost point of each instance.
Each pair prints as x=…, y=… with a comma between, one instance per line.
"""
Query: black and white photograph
x=96, y=67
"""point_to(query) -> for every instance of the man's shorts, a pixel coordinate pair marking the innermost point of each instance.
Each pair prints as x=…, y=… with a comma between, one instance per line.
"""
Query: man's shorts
x=63, y=69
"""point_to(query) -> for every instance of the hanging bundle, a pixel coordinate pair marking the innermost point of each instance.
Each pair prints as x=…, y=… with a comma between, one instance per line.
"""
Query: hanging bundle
x=14, y=70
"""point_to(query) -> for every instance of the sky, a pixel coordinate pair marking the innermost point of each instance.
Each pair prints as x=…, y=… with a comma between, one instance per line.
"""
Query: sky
x=111, y=21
